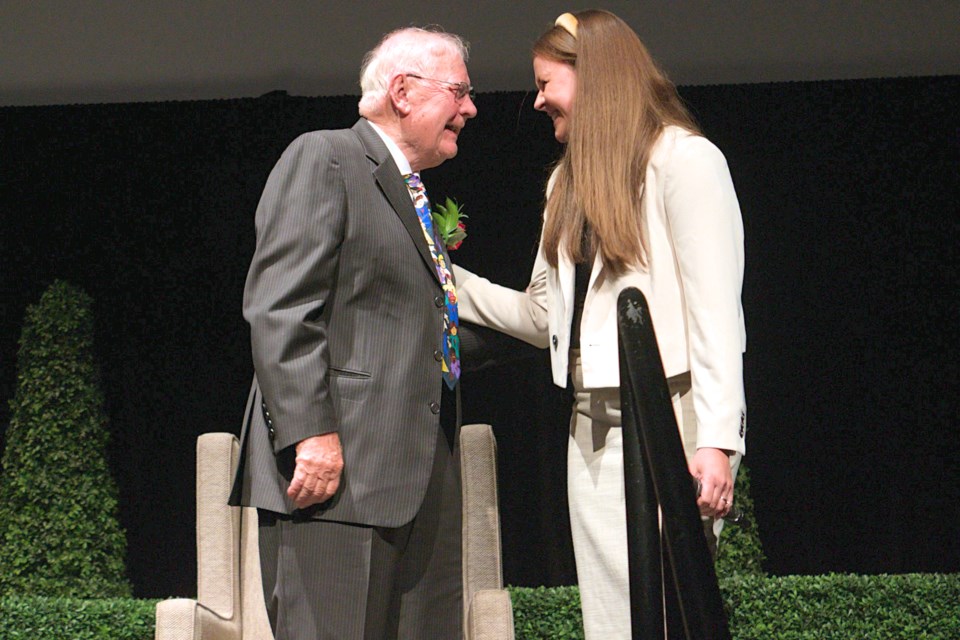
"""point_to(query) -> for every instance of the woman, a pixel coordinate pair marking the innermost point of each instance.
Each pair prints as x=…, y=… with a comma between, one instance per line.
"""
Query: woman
x=639, y=199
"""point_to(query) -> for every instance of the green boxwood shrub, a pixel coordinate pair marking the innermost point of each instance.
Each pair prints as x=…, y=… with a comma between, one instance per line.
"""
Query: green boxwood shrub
x=829, y=607
x=59, y=533
x=546, y=612
x=39, y=618
x=844, y=606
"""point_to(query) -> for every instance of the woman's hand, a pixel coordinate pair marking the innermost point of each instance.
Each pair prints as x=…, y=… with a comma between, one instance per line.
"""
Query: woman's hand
x=712, y=468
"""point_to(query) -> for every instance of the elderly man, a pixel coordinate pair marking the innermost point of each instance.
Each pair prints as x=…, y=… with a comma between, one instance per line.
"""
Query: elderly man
x=349, y=445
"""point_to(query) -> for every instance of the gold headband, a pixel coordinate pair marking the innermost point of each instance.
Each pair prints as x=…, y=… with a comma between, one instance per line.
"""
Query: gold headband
x=569, y=22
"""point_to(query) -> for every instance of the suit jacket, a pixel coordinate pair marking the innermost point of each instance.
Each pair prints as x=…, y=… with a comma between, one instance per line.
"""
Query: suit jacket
x=692, y=285
x=346, y=314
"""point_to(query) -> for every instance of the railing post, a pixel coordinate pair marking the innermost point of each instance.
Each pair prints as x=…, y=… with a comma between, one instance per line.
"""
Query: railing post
x=643, y=521
x=656, y=475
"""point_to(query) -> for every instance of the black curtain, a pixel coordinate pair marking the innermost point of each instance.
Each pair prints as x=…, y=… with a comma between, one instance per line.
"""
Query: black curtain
x=849, y=193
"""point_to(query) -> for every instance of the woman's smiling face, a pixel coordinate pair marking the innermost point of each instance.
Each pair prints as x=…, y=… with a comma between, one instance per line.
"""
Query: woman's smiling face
x=556, y=92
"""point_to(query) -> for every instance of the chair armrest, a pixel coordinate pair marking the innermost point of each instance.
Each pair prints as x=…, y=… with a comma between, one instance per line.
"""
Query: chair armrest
x=481, y=513
x=488, y=612
x=218, y=525
x=186, y=619
x=490, y=616
x=176, y=619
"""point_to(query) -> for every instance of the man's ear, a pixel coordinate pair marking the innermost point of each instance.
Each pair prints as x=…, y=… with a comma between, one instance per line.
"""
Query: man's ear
x=397, y=90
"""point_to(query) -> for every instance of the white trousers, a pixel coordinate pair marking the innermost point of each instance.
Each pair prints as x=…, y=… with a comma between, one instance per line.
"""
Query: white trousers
x=595, y=491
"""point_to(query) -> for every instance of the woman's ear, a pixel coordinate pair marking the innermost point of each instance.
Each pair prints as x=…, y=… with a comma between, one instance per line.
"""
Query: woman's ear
x=397, y=90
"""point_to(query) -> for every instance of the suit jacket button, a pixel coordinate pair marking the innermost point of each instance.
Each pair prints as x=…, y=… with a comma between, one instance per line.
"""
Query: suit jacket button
x=438, y=355
x=434, y=408
x=438, y=301
x=271, y=433
x=555, y=342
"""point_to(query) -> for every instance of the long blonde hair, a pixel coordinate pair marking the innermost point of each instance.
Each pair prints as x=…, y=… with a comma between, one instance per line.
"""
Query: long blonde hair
x=623, y=102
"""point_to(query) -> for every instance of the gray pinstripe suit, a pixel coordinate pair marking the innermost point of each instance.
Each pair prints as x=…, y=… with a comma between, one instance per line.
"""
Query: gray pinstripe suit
x=346, y=312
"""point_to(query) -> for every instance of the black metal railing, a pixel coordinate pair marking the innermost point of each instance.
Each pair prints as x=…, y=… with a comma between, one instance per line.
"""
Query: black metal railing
x=673, y=586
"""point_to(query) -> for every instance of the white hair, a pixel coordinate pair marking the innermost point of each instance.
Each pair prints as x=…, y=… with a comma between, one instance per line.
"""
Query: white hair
x=407, y=50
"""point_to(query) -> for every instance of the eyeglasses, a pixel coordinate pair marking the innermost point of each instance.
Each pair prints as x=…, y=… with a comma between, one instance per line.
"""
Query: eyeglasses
x=460, y=89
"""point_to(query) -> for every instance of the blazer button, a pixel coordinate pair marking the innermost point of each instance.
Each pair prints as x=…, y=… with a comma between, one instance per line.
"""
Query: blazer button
x=434, y=408
x=555, y=342
x=438, y=301
x=438, y=355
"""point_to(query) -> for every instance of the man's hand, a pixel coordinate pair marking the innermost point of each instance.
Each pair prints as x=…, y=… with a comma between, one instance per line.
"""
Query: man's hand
x=316, y=476
x=712, y=468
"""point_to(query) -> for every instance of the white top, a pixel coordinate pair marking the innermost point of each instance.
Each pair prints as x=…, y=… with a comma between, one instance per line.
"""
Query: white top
x=692, y=285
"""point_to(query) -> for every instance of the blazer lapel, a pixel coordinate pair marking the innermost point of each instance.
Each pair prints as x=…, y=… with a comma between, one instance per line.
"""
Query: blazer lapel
x=395, y=190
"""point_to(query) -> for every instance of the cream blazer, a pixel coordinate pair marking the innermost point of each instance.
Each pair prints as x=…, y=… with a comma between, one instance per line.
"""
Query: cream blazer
x=692, y=285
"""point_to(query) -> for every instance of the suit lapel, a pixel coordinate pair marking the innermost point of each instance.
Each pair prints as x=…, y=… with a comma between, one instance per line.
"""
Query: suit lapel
x=395, y=190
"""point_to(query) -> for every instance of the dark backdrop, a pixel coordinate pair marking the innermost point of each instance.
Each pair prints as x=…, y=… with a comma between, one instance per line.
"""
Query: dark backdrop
x=849, y=193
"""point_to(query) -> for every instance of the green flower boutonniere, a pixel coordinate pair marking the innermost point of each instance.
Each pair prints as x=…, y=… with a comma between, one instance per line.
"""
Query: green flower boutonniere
x=448, y=222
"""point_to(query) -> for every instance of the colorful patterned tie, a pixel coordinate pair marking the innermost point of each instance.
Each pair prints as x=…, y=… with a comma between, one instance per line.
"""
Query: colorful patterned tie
x=450, y=341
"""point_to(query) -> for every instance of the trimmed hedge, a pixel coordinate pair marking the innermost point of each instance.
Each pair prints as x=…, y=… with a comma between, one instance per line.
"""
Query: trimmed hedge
x=37, y=618
x=829, y=607
x=59, y=532
x=843, y=606
x=546, y=612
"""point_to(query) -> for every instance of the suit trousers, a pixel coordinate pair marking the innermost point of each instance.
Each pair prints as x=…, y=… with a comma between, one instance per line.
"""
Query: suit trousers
x=327, y=580
x=595, y=489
